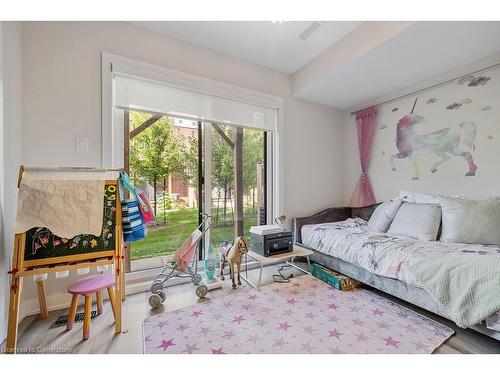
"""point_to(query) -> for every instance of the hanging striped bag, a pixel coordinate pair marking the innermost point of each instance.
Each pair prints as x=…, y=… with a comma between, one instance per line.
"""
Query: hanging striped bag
x=144, y=205
x=134, y=228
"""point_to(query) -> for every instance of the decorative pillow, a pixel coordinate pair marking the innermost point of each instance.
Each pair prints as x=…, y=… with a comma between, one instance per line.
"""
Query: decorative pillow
x=408, y=196
x=417, y=220
x=471, y=221
x=383, y=215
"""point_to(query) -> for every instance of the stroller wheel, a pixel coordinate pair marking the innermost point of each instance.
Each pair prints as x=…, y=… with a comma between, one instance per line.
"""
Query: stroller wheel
x=201, y=291
x=195, y=279
x=157, y=285
x=155, y=301
x=162, y=295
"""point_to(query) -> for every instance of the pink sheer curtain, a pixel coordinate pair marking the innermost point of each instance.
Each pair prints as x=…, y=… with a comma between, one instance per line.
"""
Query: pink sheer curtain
x=366, y=122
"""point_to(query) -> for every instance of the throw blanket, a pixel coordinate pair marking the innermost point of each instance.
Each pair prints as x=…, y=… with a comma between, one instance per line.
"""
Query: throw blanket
x=464, y=278
x=467, y=285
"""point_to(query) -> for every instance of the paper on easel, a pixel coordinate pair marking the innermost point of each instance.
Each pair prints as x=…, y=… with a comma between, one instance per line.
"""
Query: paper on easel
x=66, y=207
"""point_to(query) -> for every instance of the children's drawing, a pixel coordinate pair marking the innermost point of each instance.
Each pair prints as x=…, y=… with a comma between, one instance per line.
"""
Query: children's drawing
x=444, y=143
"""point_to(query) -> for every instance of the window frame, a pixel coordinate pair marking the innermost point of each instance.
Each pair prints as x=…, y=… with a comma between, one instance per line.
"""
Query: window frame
x=112, y=155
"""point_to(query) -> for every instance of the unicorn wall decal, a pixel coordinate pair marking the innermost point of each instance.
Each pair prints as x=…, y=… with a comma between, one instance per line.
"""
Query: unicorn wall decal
x=444, y=143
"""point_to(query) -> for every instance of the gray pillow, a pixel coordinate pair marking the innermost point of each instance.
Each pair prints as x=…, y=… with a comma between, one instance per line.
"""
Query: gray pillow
x=417, y=220
x=471, y=221
x=383, y=215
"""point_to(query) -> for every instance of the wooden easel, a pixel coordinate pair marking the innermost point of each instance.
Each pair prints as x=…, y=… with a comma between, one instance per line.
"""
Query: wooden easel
x=22, y=268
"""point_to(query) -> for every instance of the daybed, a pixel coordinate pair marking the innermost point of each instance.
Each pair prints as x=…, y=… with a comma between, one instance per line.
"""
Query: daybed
x=312, y=232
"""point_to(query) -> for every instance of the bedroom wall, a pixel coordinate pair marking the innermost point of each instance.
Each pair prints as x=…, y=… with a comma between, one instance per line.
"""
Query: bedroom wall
x=10, y=150
x=61, y=101
x=472, y=104
x=313, y=166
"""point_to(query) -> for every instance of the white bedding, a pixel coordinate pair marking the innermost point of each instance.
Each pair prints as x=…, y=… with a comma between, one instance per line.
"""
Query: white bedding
x=383, y=254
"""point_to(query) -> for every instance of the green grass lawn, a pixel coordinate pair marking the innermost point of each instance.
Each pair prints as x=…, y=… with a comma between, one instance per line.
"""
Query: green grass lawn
x=180, y=224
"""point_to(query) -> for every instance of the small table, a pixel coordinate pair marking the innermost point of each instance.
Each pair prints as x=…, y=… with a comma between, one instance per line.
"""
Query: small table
x=287, y=257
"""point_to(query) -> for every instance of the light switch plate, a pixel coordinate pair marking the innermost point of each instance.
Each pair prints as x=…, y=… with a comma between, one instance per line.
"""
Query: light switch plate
x=82, y=144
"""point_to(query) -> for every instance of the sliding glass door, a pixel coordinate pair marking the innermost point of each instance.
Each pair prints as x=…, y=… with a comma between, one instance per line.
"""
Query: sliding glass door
x=235, y=180
x=187, y=167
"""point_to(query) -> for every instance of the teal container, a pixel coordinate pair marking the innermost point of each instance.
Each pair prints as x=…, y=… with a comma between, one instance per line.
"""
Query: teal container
x=211, y=262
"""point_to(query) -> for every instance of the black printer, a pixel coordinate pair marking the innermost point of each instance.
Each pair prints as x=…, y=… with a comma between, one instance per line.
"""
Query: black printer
x=268, y=240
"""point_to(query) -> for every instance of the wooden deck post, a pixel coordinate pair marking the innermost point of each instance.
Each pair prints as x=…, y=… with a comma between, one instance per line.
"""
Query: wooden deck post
x=238, y=180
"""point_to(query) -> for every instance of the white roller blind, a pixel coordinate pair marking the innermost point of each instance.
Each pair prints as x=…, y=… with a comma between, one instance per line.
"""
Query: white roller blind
x=141, y=94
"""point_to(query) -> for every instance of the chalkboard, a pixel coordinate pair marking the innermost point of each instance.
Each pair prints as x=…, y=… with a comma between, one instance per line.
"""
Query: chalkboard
x=41, y=244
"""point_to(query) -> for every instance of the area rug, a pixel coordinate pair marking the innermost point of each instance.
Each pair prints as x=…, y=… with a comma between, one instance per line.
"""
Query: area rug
x=303, y=316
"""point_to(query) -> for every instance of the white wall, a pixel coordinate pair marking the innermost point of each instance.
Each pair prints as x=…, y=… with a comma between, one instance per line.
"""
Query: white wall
x=314, y=163
x=62, y=87
x=450, y=177
x=10, y=150
x=62, y=100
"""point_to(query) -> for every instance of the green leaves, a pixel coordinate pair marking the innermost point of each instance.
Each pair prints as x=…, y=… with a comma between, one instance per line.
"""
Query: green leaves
x=157, y=151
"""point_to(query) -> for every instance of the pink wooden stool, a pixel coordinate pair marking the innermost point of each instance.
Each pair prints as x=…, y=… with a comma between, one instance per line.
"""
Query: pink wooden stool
x=87, y=287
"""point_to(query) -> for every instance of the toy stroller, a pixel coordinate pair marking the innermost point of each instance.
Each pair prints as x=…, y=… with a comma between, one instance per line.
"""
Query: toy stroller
x=183, y=264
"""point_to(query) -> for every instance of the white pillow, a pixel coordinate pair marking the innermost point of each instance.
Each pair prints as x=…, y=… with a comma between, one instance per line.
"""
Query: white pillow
x=471, y=221
x=417, y=220
x=383, y=215
x=408, y=196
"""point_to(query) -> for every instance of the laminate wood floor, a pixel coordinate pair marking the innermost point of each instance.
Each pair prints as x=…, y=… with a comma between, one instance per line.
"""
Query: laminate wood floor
x=37, y=333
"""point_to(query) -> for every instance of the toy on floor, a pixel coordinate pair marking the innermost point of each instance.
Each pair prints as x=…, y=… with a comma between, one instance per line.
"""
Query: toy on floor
x=183, y=264
x=234, y=258
x=211, y=261
x=224, y=249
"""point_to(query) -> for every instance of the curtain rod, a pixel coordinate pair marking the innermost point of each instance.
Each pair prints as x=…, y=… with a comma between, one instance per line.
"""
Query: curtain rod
x=432, y=86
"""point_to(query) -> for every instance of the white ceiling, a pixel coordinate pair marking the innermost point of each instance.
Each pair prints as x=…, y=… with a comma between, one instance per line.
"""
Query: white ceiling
x=273, y=45
x=411, y=55
x=419, y=52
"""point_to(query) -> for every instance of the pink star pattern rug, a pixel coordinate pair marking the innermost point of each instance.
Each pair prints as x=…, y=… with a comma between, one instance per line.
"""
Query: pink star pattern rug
x=303, y=316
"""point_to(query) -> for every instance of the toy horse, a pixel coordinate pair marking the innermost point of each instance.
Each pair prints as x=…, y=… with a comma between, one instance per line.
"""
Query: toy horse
x=225, y=247
x=234, y=257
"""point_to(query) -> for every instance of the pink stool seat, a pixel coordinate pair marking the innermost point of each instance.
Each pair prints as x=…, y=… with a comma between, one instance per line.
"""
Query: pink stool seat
x=87, y=287
x=92, y=284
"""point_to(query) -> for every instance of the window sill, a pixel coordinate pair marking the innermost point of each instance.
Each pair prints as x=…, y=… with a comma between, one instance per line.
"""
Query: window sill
x=140, y=281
